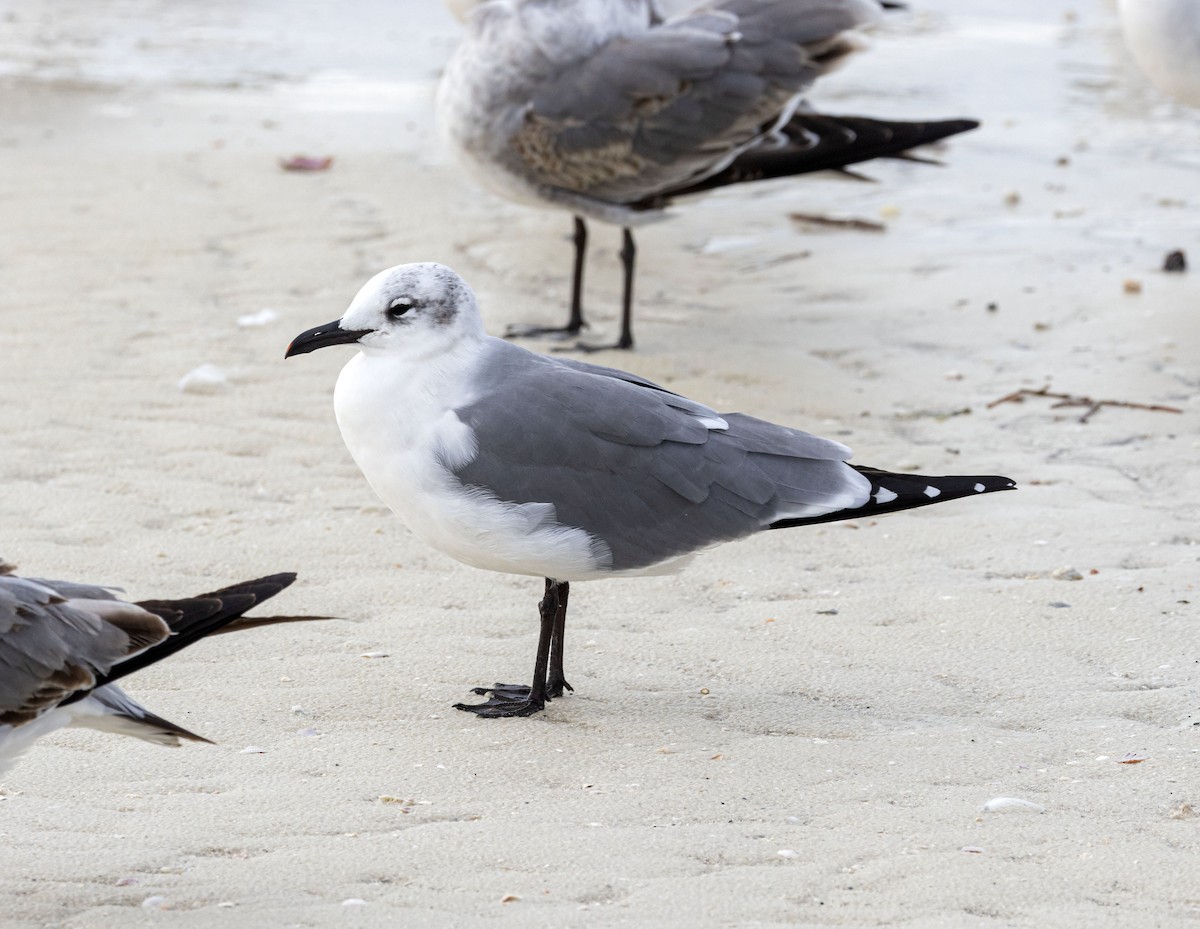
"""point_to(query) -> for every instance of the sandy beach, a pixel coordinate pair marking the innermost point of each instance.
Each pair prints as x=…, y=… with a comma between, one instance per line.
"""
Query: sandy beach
x=801, y=729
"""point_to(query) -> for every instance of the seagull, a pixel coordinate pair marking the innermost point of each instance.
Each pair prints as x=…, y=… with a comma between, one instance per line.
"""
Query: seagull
x=1164, y=38
x=64, y=644
x=523, y=463
x=607, y=110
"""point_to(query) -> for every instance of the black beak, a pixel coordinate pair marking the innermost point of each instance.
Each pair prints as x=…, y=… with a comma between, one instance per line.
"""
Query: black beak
x=320, y=336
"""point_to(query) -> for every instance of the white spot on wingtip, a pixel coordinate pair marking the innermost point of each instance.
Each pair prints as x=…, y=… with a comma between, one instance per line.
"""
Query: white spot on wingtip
x=883, y=495
x=979, y=488
x=717, y=423
x=932, y=492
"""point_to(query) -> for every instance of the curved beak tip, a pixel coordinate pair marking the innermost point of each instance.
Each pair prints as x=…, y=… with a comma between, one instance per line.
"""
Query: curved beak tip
x=322, y=336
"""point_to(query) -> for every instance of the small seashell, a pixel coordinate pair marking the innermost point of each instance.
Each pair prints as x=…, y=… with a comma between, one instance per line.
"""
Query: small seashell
x=972, y=849
x=787, y=853
x=1011, y=804
x=727, y=243
x=310, y=730
x=509, y=898
x=252, y=750
x=257, y=320
x=126, y=881
x=374, y=655
x=306, y=163
x=157, y=902
x=1175, y=262
x=1133, y=286
x=206, y=379
x=354, y=901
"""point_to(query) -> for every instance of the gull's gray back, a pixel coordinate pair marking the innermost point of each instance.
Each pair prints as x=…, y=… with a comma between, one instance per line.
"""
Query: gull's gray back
x=636, y=466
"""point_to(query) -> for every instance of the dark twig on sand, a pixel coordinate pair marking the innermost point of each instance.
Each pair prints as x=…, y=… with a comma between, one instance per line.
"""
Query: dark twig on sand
x=816, y=219
x=1018, y=396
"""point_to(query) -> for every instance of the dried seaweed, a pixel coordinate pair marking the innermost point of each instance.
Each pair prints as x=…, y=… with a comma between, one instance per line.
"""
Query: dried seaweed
x=1093, y=406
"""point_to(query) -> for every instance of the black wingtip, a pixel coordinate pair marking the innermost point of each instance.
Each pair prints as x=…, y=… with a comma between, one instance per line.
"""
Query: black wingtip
x=193, y=618
x=823, y=142
x=891, y=491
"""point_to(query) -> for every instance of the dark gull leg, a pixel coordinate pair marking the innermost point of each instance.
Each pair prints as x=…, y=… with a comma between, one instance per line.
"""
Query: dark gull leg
x=575, y=324
x=556, y=683
x=517, y=699
x=628, y=254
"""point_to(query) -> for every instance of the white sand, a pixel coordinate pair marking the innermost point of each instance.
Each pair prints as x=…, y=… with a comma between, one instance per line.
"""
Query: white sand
x=144, y=212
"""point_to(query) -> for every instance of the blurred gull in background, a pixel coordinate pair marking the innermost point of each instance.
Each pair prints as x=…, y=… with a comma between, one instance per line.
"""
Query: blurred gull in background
x=607, y=110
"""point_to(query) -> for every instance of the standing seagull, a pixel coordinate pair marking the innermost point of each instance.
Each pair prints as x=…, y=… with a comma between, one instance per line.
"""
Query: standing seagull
x=517, y=462
x=62, y=646
x=602, y=108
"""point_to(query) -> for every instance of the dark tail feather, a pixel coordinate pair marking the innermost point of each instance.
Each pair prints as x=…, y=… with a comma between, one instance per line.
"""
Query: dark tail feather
x=822, y=142
x=195, y=617
x=254, y=622
x=891, y=492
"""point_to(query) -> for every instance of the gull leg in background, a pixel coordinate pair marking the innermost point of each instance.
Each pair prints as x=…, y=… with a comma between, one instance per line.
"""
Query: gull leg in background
x=628, y=254
x=575, y=323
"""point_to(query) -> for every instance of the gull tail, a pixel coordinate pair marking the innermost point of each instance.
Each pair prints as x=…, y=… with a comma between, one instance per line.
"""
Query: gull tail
x=192, y=618
x=110, y=709
x=891, y=492
x=823, y=142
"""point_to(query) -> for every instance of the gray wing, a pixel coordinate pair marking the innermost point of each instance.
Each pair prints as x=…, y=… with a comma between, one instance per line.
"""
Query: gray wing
x=652, y=474
x=678, y=102
x=54, y=643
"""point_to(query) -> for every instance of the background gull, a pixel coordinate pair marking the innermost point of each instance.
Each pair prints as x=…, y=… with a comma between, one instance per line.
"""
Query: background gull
x=516, y=462
x=603, y=108
x=63, y=645
x=1164, y=37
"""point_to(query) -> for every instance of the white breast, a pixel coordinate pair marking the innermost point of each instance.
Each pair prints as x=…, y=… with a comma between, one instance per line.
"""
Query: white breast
x=399, y=424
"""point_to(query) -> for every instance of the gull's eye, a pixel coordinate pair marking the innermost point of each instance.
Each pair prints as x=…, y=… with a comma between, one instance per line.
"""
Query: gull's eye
x=399, y=307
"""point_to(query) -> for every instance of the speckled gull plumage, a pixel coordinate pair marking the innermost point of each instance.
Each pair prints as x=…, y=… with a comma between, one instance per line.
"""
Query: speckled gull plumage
x=611, y=110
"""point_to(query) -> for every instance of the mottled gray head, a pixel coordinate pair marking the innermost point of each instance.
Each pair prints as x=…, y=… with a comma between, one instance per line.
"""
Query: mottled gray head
x=415, y=310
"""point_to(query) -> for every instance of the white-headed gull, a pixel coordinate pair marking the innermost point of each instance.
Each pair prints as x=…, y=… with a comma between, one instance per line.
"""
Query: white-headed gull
x=518, y=462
